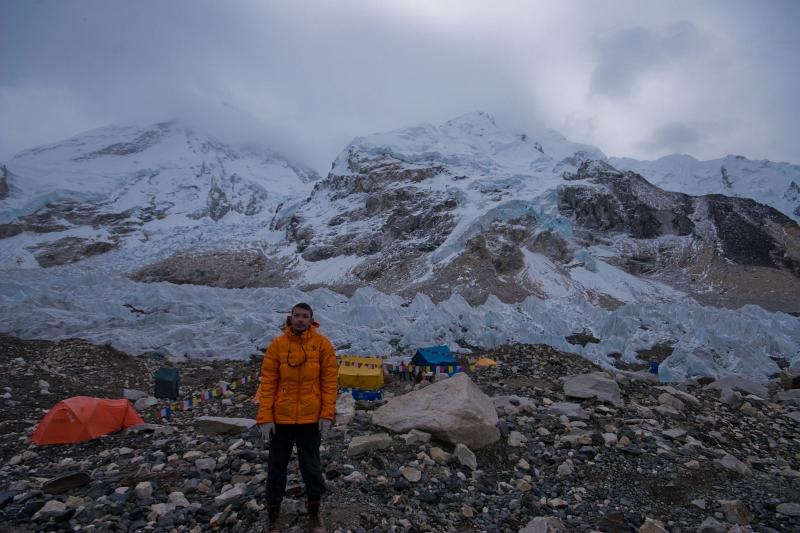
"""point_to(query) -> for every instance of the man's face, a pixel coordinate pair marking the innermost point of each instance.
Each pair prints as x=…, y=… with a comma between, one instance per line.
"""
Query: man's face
x=301, y=319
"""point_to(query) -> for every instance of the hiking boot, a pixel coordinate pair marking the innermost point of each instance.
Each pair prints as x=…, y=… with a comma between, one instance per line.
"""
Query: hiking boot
x=315, y=523
x=274, y=515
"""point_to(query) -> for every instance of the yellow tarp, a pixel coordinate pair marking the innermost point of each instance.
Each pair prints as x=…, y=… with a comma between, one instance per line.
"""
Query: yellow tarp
x=485, y=362
x=365, y=373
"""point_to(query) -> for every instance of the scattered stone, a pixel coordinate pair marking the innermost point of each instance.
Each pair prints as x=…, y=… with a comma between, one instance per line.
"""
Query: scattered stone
x=736, y=512
x=573, y=411
x=133, y=394
x=52, y=507
x=516, y=439
x=219, y=425
x=229, y=495
x=674, y=433
x=652, y=525
x=412, y=474
x=789, y=509
x=542, y=524
x=565, y=470
x=712, y=525
x=65, y=482
x=667, y=399
x=144, y=490
x=415, y=436
x=732, y=463
x=143, y=404
x=741, y=384
x=345, y=409
x=367, y=443
x=465, y=456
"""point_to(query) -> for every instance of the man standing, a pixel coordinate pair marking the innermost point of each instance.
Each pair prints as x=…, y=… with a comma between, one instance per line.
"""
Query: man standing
x=296, y=406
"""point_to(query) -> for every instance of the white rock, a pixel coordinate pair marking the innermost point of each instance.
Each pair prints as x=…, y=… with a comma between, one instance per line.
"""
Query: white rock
x=345, y=409
x=594, y=385
x=205, y=464
x=454, y=410
x=732, y=463
x=158, y=510
x=465, y=456
x=669, y=400
x=133, y=394
x=52, y=507
x=416, y=436
x=191, y=454
x=143, y=404
x=544, y=524
x=789, y=509
x=651, y=525
x=412, y=474
x=739, y=383
x=229, y=495
x=516, y=439
x=178, y=499
x=573, y=411
x=674, y=433
x=144, y=490
x=609, y=439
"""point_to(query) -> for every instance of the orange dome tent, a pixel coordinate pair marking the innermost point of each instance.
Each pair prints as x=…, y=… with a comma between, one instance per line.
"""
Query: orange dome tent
x=485, y=361
x=82, y=418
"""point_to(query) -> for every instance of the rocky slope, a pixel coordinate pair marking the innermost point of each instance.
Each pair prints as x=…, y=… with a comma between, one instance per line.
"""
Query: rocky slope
x=647, y=457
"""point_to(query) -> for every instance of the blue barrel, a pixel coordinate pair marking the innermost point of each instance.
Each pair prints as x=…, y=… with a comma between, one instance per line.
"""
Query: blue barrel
x=167, y=383
x=654, y=367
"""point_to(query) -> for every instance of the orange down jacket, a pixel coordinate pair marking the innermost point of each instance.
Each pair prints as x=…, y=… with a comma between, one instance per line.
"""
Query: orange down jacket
x=298, y=379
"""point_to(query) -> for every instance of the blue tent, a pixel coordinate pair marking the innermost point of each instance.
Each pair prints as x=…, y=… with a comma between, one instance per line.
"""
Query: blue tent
x=434, y=356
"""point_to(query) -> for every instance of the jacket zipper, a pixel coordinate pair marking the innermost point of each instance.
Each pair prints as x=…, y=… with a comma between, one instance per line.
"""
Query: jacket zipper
x=299, y=385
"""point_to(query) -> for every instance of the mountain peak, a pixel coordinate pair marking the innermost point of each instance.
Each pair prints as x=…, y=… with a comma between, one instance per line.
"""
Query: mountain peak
x=473, y=120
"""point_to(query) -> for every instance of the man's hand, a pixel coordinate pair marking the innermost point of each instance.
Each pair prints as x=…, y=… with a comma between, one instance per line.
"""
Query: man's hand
x=267, y=430
x=324, y=426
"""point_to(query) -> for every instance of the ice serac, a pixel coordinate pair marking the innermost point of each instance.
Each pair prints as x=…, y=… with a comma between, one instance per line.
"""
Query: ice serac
x=453, y=410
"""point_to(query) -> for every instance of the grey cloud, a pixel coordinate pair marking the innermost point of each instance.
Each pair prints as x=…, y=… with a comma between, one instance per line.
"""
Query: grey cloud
x=630, y=52
x=673, y=137
x=306, y=77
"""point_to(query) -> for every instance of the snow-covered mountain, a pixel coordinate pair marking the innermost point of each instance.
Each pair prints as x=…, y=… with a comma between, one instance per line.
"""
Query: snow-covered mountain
x=466, y=219
x=127, y=196
x=773, y=184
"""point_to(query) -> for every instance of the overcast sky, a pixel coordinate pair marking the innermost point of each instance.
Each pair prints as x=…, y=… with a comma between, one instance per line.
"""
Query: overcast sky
x=635, y=78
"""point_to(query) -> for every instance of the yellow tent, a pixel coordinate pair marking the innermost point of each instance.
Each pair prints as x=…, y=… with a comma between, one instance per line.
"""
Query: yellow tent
x=485, y=361
x=365, y=373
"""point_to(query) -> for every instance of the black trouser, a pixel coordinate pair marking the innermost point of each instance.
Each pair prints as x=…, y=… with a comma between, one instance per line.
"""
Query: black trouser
x=307, y=438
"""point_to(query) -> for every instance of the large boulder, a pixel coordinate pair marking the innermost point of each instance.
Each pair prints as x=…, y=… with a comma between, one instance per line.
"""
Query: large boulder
x=594, y=385
x=738, y=383
x=454, y=411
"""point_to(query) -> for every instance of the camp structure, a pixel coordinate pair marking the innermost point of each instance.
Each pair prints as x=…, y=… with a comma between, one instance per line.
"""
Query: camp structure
x=435, y=359
x=83, y=418
x=361, y=373
x=485, y=361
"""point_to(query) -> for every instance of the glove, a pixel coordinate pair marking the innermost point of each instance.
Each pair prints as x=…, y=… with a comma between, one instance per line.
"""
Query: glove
x=267, y=430
x=324, y=426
